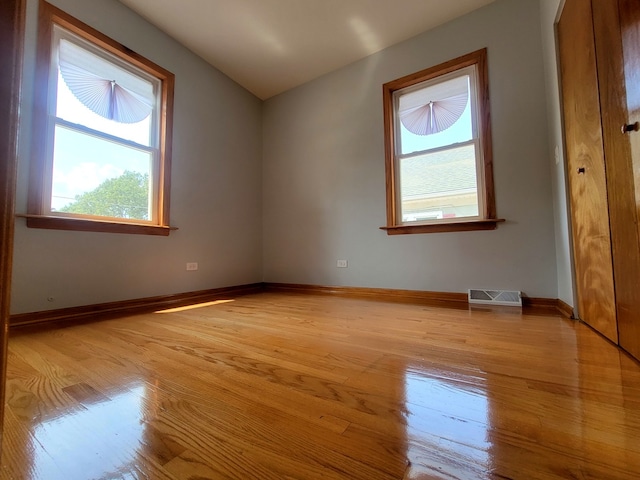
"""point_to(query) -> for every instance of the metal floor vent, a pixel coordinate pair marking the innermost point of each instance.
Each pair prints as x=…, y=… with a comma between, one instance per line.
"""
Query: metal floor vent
x=495, y=297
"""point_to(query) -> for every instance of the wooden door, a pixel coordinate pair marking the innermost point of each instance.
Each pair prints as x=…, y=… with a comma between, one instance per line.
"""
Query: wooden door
x=609, y=20
x=11, y=32
x=586, y=169
x=629, y=304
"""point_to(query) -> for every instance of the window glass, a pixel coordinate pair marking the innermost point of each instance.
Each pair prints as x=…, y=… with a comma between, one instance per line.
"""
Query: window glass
x=440, y=185
x=69, y=108
x=99, y=184
x=421, y=110
x=103, y=152
x=436, y=148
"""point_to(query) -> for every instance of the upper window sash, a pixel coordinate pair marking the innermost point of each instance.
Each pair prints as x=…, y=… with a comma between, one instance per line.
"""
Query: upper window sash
x=89, y=66
x=470, y=72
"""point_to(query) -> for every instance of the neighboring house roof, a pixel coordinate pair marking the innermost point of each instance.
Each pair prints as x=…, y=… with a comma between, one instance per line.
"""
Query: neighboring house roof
x=445, y=171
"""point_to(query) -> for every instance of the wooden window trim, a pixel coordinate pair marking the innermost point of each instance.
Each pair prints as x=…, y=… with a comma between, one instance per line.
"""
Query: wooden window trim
x=51, y=222
x=49, y=15
x=488, y=220
x=463, y=226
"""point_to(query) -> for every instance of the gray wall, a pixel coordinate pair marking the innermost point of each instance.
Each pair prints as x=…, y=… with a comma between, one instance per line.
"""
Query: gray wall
x=548, y=13
x=323, y=170
x=279, y=191
x=215, y=191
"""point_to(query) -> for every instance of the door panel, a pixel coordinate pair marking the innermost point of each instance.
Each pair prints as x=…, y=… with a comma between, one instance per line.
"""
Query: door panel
x=586, y=169
x=629, y=288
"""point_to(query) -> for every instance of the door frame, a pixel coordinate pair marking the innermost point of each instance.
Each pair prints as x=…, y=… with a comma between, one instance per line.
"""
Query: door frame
x=12, y=20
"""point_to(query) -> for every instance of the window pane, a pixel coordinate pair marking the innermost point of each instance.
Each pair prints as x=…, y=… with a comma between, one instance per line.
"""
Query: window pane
x=437, y=115
x=71, y=109
x=95, y=176
x=439, y=185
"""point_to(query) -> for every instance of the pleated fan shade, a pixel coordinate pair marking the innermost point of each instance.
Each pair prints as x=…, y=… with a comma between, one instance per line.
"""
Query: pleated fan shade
x=434, y=109
x=103, y=87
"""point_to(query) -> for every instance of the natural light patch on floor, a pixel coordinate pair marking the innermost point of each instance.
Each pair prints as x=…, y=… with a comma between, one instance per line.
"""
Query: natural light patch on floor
x=193, y=307
x=105, y=430
x=446, y=416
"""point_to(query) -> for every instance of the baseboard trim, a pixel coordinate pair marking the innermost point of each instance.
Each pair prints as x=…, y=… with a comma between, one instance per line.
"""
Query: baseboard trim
x=130, y=307
x=387, y=294
x=542, y=305
x=151, y=304
x=565, y=309
x=450, y=299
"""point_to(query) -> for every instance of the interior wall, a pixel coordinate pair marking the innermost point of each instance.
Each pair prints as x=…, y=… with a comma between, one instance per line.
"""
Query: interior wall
x=549, y=10
x=319, y=148
x=324, y=180
x=215, y=190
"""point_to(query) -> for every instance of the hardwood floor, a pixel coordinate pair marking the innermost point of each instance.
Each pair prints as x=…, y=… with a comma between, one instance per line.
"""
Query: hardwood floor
x=289, y=386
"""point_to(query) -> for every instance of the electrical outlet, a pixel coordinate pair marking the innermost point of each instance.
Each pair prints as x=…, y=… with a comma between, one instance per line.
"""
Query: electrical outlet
x=342, y=264
x=192, y=266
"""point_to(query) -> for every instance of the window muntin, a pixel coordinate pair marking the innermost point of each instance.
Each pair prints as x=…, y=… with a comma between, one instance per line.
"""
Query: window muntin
x=438, y=149
x=105, y=118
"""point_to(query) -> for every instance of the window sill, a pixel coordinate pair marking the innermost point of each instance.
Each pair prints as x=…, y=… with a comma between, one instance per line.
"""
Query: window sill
x=88, y=225
x=463, y=226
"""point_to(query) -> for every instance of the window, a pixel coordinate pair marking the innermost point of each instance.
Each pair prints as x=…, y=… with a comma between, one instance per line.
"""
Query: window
x=102, y=132
x=438, y=149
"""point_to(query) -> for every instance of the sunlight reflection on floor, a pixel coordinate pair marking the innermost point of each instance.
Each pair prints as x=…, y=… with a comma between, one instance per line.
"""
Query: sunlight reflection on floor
x=98, y=440
x=447, y=424
x=192, y=307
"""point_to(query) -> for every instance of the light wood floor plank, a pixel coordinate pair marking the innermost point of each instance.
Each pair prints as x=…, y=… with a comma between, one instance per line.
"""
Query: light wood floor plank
x=293, y=386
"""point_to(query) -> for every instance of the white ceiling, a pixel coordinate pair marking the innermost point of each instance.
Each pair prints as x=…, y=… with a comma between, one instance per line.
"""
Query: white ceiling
x=270, y=46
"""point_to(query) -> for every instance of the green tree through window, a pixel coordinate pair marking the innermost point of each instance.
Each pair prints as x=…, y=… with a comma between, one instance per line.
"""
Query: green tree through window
x=126, y=196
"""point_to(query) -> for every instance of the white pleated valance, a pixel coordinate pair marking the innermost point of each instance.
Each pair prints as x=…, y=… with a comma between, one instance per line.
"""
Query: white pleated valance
x=435, y=108
x=102, y=86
